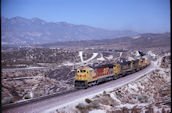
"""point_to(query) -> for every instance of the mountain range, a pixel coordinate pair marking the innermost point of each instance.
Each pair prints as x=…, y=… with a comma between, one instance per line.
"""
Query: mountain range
x=23, y=31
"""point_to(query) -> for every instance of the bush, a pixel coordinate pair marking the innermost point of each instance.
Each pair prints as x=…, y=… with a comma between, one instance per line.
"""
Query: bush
x=84, y=108
x=81, y=106
x=142, y=98
x=97, y=96
x=105, y=94
x=125, y=110
x=94, y=104
x=88, y=100
x=7, y=100
x=36, y=94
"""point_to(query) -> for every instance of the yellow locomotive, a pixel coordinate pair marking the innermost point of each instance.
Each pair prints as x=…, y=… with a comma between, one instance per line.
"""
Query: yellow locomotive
x=87, y=76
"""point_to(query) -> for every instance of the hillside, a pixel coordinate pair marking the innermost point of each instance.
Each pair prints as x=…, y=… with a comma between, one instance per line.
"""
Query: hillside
x=141, y=40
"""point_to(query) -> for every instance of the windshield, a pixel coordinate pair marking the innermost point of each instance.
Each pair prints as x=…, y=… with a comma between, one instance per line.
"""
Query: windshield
x=82, y=71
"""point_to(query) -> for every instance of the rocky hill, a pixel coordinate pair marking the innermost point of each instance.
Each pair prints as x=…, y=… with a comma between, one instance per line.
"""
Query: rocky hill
x=141, y=41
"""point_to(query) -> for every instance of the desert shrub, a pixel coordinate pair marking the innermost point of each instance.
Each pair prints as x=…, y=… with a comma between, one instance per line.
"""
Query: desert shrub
x=88, y=100
x=7, y=100
x=125, y=110
x=94, y=104
x=36, y=94
x=142, y=98
x=81, y=106
x=97, y=96
x=104, y=93
x=41, y=94
x=107, y=101
x=85, y=108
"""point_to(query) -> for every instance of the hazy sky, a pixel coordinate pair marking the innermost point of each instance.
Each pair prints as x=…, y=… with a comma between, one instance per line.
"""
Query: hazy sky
x=137, y=15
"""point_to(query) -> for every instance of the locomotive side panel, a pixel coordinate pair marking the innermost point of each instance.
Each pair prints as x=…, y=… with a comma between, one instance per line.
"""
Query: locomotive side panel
x=136, y=64
x=103, y=72
x=125, y=67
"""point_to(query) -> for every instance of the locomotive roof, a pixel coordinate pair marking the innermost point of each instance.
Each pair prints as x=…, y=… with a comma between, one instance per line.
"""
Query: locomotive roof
x=125, y=62
x=128, y=62
x=103, y=66
x=108, y=65
x=85, y=68
x=136, y=60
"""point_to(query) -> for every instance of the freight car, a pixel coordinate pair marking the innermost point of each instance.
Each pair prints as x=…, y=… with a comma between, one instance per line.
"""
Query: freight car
x=88, y=76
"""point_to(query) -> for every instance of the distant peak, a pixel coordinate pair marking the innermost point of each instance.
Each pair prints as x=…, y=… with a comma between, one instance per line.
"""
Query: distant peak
x=18, y=17
x=63, y=22
x=36, y=19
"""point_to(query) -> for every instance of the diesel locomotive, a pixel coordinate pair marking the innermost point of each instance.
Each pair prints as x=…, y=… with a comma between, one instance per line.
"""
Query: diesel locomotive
x=88, y=76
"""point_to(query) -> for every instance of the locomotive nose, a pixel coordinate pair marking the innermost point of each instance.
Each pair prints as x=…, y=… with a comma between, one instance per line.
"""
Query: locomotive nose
x=81, y=76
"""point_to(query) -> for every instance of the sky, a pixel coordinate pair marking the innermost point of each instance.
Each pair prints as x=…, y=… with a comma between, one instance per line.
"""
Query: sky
x=142, y=16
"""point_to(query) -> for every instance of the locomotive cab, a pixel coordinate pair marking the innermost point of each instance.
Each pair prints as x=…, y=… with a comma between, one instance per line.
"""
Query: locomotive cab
x=82, y=77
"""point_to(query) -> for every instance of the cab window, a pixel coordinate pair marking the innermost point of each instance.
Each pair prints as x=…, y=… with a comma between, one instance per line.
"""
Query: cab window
x=83, y=71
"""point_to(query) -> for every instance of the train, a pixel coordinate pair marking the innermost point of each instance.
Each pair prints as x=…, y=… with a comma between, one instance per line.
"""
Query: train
x=87, y=76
